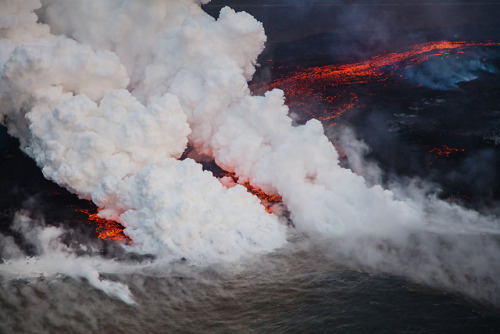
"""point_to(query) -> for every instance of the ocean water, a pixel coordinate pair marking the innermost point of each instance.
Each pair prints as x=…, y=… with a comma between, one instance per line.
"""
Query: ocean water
x=299, y=295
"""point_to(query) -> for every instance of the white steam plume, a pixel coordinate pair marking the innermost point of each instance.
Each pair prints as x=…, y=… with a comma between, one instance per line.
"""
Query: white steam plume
x=66, y=101
x=54, y=257
x=106, y=95
x=205, y=64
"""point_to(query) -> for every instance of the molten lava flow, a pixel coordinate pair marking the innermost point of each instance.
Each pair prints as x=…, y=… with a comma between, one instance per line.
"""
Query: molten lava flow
x=266, y=199
x=328, y=88
x=444, y=151
x=106, y=229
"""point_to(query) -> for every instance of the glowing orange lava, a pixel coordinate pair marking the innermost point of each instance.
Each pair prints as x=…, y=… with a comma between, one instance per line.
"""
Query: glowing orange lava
x=106, y=229
x=266, y=199
x=444, y=151
x=306, y=88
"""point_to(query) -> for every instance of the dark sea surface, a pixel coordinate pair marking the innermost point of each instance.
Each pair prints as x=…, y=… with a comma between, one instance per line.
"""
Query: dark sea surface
x=298, y=295
x=301, y=289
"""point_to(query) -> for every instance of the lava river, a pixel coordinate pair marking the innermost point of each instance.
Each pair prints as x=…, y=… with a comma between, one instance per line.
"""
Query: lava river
x=306, y=86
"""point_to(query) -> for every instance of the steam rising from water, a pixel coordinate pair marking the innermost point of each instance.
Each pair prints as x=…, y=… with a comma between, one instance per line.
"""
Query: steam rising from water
x=106, y=96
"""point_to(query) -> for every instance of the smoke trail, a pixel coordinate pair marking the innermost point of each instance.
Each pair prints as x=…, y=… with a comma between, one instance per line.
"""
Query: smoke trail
x=446, y=72
x=106, y=110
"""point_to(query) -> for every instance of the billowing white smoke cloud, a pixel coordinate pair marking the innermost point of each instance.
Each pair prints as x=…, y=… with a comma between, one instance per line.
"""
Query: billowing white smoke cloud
x=106, y=101
x=67, y=102
x=196, y=218
x=205, y=64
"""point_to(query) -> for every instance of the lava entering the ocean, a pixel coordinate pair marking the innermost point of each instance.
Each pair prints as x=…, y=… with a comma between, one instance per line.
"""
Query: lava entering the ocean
x=329, y=88
x=106, y=229
x=267, y=200
x=114, y=231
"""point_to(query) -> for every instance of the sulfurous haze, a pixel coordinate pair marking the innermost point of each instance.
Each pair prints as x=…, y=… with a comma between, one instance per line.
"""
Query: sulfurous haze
x=106, y=96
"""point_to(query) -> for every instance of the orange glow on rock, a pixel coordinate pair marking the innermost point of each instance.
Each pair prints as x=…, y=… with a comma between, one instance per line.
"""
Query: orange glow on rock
x=444, y=151
x=106, y=229
x=266, y=199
